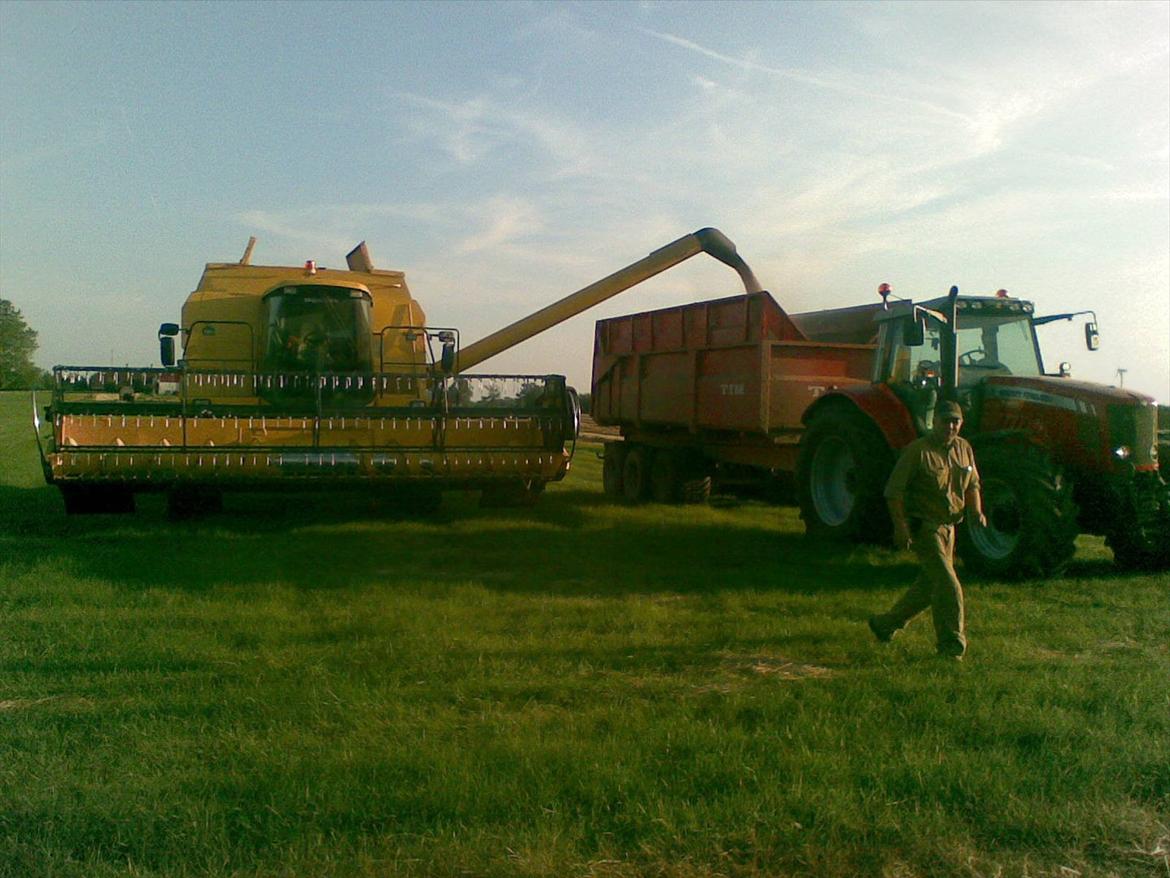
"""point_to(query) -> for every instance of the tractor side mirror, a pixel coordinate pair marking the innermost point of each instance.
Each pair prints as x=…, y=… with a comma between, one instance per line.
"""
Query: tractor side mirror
x=914, y=333
x=1092, y=337
x=166, y=343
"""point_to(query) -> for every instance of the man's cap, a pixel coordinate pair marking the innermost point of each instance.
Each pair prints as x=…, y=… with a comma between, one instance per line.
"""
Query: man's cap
x=949, y=410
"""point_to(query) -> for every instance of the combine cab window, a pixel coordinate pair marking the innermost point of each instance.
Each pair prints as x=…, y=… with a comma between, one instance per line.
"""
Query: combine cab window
x=317, y=329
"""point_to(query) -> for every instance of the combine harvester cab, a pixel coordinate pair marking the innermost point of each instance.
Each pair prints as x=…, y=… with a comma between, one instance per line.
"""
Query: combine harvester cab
x=306, y=377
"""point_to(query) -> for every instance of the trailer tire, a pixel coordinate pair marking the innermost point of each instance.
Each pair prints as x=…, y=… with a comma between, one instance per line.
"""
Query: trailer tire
x=841, y=470
x=1031, y=518
x=696, y=490
x=636, y=474
x=1140, y=540
x=665, y=477
x=611, y=469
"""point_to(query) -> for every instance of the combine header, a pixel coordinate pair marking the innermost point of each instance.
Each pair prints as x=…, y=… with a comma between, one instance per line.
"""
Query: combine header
x=308, y=377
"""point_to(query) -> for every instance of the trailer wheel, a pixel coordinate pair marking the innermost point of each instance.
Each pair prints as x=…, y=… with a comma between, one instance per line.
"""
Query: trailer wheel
x=97, y=500
x=1140, y=538
x=636, y=474
x=611, y=469
x=842, y=468
x=1031, y=518
x=665, y=482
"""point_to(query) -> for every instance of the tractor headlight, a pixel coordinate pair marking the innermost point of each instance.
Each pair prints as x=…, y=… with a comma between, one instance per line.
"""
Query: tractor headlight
x=1122, y=452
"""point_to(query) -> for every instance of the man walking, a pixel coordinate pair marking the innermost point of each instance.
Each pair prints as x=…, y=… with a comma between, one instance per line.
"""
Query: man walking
x=933, y=483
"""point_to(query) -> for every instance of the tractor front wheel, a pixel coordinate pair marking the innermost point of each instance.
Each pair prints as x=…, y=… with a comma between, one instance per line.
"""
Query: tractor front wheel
x=1140, y=538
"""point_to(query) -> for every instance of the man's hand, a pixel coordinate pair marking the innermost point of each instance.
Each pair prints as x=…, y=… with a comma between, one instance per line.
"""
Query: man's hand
x=976, y=516
x=901, y=535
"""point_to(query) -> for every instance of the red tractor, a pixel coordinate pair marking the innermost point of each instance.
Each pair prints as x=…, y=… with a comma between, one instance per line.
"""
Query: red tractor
x=1058, y=457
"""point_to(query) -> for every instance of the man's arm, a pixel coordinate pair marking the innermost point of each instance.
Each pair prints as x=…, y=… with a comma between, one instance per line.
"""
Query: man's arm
x=901, y=526
x=973, y=500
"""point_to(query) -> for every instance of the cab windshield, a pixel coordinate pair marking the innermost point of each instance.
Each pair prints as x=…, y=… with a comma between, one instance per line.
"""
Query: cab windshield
x=991, y=344
x=988, y=344
x=314, y=328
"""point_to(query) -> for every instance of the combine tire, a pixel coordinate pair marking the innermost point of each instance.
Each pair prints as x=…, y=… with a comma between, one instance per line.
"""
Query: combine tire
x=511, y=494
x=611, y=469
x=187, y=503
x=1140, y=539
x=841, y=472
x=97, y=500
x=1031, y=518
x=636, y=475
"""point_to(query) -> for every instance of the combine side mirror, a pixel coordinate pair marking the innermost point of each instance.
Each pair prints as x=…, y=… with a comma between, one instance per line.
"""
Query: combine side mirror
x=448, y=359
x=1092, y=337
x=166, y=343
x=914, y=333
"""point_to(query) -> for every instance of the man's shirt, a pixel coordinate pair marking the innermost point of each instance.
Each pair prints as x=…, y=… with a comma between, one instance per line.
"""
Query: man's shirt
x=931, y=479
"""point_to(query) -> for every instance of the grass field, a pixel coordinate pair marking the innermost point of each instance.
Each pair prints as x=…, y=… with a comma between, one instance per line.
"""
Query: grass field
x=311, y=686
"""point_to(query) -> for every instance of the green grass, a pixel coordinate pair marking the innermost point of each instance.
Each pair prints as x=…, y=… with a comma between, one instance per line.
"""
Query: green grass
x=308, y=686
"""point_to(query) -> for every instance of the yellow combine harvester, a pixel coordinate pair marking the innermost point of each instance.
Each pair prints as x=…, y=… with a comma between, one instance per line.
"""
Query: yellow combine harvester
x=312, y=377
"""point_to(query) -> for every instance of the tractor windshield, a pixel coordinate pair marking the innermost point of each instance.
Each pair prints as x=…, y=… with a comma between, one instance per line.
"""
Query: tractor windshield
x=316, y=328
x=996, y=344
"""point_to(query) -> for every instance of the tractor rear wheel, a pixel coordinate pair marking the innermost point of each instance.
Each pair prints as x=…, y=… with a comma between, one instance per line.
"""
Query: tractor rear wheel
x=1031, y=518
x=840, y=475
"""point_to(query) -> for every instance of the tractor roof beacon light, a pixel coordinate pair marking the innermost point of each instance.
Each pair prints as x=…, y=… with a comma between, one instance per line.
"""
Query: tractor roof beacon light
x=1001, y=294
x=884, y=291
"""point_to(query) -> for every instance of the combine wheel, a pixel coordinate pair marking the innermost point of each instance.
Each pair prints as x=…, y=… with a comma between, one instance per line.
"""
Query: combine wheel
x=1140, y=540
x=841, y=472
x=512, y=493
x=636, y=474
x=1031, y=517
x=97, y=500
x=611, y=469
x=665, y=481
x=191, y=502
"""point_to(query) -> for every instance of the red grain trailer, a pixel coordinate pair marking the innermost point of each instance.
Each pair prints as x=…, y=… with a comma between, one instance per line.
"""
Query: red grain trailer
x=717, y=387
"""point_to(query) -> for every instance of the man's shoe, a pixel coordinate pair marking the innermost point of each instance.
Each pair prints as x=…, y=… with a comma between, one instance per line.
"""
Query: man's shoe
x=882, y=634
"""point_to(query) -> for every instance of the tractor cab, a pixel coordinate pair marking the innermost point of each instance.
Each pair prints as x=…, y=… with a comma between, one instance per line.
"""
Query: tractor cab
x=994, y=337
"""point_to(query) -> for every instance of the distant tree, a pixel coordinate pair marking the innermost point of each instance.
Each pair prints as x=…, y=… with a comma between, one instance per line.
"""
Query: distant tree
x=18, y=343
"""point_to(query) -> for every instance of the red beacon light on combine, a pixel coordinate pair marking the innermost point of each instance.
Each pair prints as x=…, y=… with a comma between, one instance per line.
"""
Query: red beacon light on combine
x=1001, y=294
x=884, y=291
x=310, y=266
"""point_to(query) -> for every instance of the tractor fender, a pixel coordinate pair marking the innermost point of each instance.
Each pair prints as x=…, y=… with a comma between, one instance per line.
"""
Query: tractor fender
x=878, y=403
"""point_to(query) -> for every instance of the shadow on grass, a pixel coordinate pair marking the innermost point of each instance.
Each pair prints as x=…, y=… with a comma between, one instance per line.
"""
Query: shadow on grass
x=574, y=542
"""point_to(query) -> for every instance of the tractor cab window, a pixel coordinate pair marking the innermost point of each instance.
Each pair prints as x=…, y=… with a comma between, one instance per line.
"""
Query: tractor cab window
x=316, y=328
x=996, y=344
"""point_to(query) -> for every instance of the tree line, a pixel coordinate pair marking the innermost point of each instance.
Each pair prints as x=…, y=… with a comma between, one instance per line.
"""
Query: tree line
x=18, y=343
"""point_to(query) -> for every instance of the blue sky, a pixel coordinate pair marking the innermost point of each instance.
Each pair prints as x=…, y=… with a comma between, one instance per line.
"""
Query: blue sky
x=504, y=155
